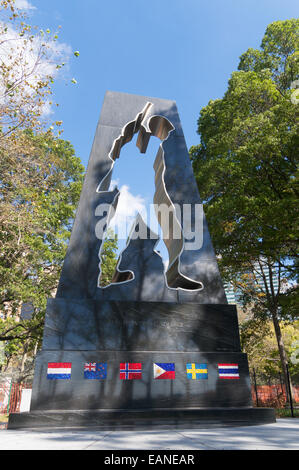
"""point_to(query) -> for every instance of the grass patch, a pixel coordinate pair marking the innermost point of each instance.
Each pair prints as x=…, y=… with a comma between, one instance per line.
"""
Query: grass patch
x=3, y=418
x=286, y=413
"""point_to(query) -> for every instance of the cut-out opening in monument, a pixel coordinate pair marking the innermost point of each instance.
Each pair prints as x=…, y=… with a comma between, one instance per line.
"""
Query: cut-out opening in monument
x=160, y=127
x=135, y=198
x=119, y=277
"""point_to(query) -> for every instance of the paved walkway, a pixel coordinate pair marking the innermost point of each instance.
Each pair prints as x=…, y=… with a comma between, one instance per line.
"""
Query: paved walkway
x=282, y=435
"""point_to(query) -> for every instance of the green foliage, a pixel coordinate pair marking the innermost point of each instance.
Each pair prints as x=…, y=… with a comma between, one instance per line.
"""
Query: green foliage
x=40, y=185
x=246, y=167
x=279, y=54
x=40, y=180
x=31, y=58
x=259, y=342
x=286, y=413
x=246, y=163
x=108, y=258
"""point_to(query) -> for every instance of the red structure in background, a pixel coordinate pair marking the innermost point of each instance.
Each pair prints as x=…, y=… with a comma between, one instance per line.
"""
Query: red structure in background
x=274, y=395
x=268, y=395
x=10, y=397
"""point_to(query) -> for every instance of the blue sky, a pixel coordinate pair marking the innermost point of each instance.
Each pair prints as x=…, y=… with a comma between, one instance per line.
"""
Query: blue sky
x=184, y=50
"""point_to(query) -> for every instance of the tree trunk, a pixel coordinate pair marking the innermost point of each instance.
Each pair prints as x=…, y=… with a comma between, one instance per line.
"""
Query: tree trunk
x=24, y=357
x=273, y=308
x=282, y=352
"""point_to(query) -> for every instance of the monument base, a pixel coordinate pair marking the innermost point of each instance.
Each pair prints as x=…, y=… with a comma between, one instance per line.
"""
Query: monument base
x=151, y=365
x=143, y=419
x=184, y=390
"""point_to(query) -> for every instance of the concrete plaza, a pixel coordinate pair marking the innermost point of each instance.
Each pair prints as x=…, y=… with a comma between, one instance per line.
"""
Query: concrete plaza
x=282, y=435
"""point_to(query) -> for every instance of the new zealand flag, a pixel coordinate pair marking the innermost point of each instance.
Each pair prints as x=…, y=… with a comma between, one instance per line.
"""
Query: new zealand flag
x=95, y=370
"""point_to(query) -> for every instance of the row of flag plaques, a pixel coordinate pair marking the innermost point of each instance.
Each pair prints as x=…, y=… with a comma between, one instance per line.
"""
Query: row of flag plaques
x=133, y=370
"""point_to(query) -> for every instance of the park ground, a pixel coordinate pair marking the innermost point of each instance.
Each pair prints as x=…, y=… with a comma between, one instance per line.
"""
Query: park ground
x=282, y=435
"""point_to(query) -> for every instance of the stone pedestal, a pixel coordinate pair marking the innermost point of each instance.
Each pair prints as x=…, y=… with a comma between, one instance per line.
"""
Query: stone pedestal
x=147, y=333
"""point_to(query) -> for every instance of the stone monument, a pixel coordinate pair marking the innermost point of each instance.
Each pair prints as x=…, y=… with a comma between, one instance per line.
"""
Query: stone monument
x=153, y=348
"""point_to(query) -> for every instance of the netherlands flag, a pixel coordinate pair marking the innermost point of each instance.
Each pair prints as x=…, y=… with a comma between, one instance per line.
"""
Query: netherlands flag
x=59, y=370
x=228, y=371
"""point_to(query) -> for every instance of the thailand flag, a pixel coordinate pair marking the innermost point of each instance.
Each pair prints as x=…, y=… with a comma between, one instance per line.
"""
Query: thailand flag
x=164, y=370
x=228, y=371
x=59, y=370
x=130, y=370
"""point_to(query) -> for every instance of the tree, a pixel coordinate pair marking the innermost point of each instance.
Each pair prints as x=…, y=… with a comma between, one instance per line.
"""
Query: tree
x=246, y=170
x=40, y=178
x=258, y=339
x=108, y=258
x=29, y=62
x=40, y=185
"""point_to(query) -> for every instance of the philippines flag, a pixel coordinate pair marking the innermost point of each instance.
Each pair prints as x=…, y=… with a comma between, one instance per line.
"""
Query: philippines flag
x=59, y=370
x=228, y=371
x=130, y=370
x=164, y=370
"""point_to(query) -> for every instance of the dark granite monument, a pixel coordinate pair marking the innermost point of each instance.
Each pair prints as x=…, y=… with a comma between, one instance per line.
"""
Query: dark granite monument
x=153, y=348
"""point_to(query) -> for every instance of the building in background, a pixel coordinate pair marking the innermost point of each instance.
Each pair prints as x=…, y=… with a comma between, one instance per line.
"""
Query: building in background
x=260, y=276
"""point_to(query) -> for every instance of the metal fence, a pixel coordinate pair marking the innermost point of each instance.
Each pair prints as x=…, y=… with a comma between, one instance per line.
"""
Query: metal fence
x=10, y=397
x=273, y=392
x=266, y=392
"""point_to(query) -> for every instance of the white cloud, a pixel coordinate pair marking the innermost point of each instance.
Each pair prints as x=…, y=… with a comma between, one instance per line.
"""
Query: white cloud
x=24, y=5
x=113, y=184
x=127, y=209
x=25, y=63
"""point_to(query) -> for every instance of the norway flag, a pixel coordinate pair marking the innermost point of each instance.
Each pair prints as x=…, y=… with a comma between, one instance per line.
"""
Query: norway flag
x=130, y=370
x=164, y=370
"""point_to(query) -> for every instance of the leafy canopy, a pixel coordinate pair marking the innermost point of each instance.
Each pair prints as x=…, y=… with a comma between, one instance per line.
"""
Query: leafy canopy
x=246, y=163
x=40, y=185
x=246, y=167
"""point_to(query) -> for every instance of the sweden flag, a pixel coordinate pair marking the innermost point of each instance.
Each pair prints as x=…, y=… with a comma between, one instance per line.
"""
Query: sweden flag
x=196, y=371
